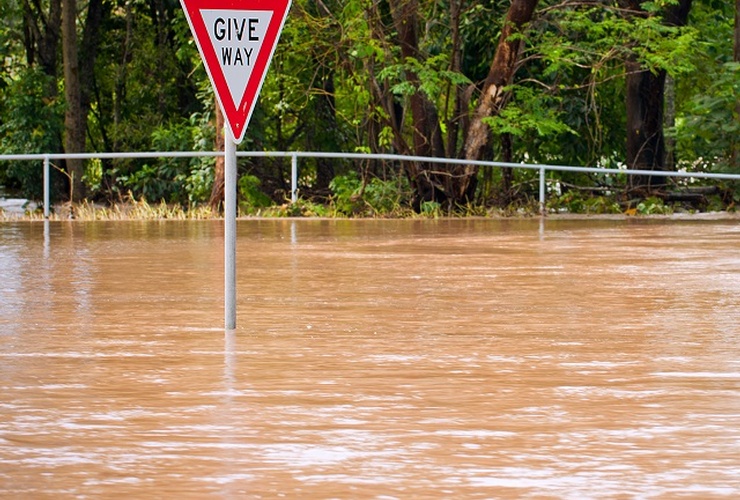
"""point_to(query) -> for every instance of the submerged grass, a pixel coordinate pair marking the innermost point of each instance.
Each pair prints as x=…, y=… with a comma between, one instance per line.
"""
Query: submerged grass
x=129, y=210
x=140, y=209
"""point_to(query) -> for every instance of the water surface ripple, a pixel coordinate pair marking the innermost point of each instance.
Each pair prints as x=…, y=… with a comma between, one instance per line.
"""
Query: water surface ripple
x=372, y=359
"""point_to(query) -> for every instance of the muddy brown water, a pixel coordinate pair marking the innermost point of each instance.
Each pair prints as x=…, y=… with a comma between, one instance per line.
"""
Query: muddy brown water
x=372, y=359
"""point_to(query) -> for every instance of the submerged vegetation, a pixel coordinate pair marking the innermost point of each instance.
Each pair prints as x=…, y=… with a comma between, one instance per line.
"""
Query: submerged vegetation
x=352, y=197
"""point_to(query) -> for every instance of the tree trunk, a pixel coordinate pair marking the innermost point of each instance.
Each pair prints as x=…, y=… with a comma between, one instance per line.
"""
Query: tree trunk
x=219, y=183
x=645, y=108
x=428, y=180
x=645, y=142
x=79, y=75
x=500, y=75
x=74, y=124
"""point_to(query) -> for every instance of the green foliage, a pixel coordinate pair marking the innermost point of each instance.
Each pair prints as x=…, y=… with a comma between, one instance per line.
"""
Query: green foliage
x=301, y=208
x=653, y=206
x=580, y=203
x=661, y=47
x=252, y=198
x=93, y=174
x=529, y=113
x=385, y=197
x=578, y=53
x=346, y=189
x=709, y=127
x=30, y=122
x=148, y=183
x=376, y=197
x=175, y=180
x=433, y=72
x=10, y=33
x=431, y=209
x=199, y=182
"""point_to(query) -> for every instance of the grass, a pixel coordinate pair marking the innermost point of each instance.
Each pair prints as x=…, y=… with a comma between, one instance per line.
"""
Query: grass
x=143, y=210
x=139, y=209
x=129, y=210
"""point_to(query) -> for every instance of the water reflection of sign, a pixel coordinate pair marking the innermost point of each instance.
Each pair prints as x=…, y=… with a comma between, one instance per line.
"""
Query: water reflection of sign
x=236, y=40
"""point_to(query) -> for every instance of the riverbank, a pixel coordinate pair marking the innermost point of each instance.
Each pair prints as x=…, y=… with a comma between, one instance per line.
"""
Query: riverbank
x=12, y=209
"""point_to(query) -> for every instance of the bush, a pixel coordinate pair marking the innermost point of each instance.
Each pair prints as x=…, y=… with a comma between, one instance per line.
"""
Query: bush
x=30, y=122
x=252, y=197
x=345, y=189
x=377, y=197
x=175, y=180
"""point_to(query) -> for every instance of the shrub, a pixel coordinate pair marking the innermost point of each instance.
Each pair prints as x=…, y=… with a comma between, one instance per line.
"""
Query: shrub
x=252, y=198
x=30, y=122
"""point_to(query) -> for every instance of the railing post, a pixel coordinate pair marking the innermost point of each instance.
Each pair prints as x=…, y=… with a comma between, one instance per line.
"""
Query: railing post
x=542, y=191
x=293, y=178
x=46, y=186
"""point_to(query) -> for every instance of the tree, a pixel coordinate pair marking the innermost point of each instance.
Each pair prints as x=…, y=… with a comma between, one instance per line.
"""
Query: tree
x=500, y=76
x=325, y=134
x=31, y=114
x=74, y=123
x=79, y=64
x=494, y=93
x=426, y=132
x=645, y=104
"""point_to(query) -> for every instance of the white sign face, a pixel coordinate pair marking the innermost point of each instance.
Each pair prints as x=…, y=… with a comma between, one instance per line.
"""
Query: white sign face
x=237, y=37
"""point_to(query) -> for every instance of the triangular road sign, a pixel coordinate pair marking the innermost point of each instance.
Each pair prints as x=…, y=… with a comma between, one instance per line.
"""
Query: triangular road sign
x=236, y=39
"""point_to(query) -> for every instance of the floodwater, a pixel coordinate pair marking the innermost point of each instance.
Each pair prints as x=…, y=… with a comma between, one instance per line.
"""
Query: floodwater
x=372, y=359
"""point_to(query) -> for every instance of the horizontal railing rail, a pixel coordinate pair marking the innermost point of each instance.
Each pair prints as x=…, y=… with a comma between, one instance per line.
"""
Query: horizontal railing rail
x=295, y=155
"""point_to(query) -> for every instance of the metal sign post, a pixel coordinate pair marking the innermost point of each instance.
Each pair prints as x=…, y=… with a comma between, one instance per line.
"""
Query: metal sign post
x=229, y=230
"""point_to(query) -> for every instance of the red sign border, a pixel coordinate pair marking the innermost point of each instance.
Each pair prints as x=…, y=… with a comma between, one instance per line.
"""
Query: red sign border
x=237, y=118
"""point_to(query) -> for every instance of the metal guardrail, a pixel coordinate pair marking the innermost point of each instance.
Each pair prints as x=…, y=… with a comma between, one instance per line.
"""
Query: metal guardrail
x=294, y=155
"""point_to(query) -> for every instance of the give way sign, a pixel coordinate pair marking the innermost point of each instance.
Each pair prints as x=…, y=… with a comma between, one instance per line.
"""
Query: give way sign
x=236, y=39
